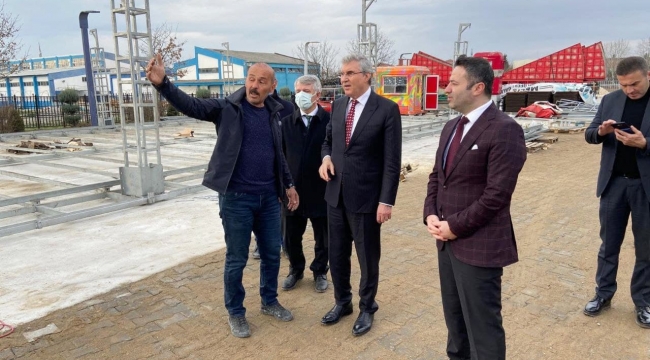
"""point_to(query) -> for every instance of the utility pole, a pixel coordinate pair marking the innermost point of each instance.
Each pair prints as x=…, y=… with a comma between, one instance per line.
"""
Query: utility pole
x=306, y=70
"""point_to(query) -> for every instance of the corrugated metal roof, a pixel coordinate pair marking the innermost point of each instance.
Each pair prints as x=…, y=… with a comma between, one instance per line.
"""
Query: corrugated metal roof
x=256, y=57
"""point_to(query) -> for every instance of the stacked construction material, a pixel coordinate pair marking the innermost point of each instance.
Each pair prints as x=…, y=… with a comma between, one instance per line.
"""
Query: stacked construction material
x=566, y=95
x=513, y=101
x=575, y=64
x=539, y=96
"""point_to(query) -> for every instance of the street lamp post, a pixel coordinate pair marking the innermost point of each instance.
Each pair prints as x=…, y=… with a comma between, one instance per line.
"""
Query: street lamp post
x=306, y=55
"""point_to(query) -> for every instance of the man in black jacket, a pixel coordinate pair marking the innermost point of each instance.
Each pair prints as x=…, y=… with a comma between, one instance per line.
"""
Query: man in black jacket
x=303, y=134
x=622, y=126
x=287, y=109
x=250, y=173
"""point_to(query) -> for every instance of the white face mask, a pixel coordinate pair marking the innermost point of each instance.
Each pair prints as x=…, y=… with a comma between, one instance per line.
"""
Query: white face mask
x=303, y=100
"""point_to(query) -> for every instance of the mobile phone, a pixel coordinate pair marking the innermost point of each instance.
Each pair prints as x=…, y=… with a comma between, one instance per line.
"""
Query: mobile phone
x=620, y=125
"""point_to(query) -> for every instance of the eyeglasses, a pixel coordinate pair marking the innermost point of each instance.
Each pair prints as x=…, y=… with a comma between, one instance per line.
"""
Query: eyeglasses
x=349, y=74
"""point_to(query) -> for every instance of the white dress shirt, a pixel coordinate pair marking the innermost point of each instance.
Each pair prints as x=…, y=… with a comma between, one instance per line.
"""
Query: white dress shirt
x=472, y=117
x=362, y=101
x=303, y=114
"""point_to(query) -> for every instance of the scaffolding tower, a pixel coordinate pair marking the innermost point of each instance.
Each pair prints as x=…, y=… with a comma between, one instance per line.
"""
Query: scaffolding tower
x=367, y=34
x=145, y=178
x=101, y=77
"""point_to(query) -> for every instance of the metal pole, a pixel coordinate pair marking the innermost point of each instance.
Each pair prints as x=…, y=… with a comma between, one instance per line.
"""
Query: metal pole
x=83, y=24
x=306, y=71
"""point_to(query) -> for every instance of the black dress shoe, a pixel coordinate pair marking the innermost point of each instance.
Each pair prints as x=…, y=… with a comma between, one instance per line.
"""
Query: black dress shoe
x=338, y=311
x=363, y=324
x=320, y=283
x=596, y=305
x=291, y=280
x=643, y=316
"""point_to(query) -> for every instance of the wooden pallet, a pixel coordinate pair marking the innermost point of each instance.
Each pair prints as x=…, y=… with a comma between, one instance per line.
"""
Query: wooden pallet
x=570, y=130
x=533, y=146
x=548, y=139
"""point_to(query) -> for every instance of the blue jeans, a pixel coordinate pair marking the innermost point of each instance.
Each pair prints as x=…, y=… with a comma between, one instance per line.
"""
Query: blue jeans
x=240, y=214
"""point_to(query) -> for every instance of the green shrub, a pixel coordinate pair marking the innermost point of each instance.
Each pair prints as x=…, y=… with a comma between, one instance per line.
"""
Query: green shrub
x=10, y=120
x=285, y=93
x=72, y=120
x=68, y=96
x=171, y=111
x=202, y=94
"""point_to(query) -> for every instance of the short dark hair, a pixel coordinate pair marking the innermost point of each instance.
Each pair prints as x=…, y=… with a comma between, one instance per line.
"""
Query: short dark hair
x=478, y=70
x=632, y=64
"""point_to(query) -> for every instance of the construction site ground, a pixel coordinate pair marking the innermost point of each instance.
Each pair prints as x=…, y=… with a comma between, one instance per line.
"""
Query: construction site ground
x=160, y=296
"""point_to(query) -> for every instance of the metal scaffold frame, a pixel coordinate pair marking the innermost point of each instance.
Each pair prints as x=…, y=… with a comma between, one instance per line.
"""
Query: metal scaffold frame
x=146, y=177
x=102, y=83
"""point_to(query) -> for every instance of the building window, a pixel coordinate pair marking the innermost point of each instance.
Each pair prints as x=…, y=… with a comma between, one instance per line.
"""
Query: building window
x=395, y=84
x=208, y=70
x=3, y=85
x=28, y=83
x=295, y=70
x=38, y=65
x=78, y=62
x=83, y=79
x=26, y=66
x=43, y=83
x=64, y=63
x=50, y=64
x=15, y=84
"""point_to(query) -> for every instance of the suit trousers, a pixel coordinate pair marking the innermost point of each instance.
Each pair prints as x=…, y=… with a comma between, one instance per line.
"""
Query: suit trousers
x=471, y=301
x=624, y=196
x=296, y=226
x=346, y=227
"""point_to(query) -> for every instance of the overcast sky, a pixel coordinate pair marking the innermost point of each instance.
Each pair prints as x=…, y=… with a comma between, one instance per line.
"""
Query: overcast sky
x=523, y=29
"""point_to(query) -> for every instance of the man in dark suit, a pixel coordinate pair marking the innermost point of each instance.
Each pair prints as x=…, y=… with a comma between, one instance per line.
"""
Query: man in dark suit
x=624, y=185
x=467, y=211
x=303, y=134
x=361, y=162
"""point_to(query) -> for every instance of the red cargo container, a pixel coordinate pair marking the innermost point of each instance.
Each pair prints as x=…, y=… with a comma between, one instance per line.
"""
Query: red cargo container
x=436, y=66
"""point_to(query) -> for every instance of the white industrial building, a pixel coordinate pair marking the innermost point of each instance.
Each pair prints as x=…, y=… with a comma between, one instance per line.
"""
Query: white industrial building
x=47, y=76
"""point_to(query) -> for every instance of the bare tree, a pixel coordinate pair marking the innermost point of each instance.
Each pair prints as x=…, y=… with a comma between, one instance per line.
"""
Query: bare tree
x=385, y=48
x=324, y=54
x=165, y=41
x=614, y=52
x=643, y=49
x=9, y=45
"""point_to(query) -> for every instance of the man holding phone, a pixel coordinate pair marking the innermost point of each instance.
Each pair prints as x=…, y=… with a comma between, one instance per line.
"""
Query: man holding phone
x=622, y=125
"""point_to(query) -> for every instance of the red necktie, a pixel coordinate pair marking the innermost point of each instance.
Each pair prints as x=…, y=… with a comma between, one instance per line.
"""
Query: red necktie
x=455, y=144
x=349, y=121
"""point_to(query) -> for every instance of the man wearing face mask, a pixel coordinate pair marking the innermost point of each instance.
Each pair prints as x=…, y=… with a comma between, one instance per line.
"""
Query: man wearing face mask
x=303, y=134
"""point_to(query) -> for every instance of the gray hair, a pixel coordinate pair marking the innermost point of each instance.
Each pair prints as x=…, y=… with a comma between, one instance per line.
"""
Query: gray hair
x=366, y=65
x=632, y=64
x=309, y=80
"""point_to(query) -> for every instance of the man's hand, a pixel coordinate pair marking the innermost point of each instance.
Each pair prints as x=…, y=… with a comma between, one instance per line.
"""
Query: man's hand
x=445, y=231
x=294, y=201
x=636, y=139
x=606, y=127
x=326, y=166
x=155, y=70
x=383, y=213
x=431, y=227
